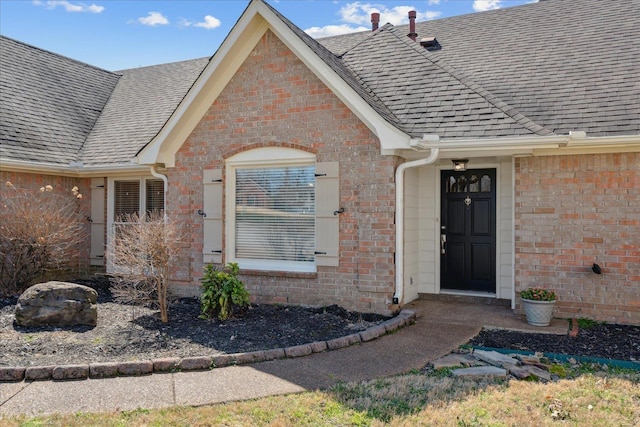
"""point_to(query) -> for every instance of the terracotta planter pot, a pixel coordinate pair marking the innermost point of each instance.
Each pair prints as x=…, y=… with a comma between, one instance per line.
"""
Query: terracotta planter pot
x=539, y=313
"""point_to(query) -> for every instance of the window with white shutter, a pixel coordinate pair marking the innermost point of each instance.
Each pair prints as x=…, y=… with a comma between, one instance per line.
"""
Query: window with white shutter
x=274, y=220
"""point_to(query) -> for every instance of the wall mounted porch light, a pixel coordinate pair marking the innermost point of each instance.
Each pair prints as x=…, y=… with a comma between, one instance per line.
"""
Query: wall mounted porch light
x=460, y=164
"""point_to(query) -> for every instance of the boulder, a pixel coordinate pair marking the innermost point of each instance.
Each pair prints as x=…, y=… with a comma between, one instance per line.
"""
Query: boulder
x=57, y=304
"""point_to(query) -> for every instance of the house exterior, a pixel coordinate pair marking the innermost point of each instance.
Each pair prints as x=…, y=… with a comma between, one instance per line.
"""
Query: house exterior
x=475, y=155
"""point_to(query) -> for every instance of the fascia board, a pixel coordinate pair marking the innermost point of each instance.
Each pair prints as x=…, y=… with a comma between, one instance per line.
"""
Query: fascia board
x=546, y=145
x=71, y=171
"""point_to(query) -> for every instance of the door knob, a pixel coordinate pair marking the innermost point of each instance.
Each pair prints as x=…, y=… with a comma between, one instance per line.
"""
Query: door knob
x=443, y=241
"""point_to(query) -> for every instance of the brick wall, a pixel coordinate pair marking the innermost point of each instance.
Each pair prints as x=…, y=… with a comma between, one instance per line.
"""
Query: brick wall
x=61, y=185
x=274, y=100
x=571, y=212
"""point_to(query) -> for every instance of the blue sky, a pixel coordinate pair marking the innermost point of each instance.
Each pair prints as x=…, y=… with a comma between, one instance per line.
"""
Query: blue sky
x=119, y=34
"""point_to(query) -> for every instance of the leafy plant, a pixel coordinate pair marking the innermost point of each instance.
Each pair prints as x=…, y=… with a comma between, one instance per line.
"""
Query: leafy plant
x=538, y=294
x=584, y=323
x=40, y=231
x=223, y=294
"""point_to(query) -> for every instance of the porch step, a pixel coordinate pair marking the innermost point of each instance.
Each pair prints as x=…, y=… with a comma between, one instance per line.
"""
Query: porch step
x=469, y=299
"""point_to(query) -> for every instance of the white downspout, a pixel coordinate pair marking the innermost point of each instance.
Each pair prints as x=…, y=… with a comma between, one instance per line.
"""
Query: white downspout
x=433, y=156
x=164, y=179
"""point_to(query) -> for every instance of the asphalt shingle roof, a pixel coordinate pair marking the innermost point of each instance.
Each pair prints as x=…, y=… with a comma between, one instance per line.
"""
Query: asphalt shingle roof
x=544, y=68
x=560, y=65
x=48, y=103
x=141, y=103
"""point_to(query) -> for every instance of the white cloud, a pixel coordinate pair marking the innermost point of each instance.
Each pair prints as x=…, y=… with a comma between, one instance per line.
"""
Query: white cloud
x=209, y=23
x=360, y=13
x=153, y=19
x=333, y=30
x=70, y=7
x=357, y=17
x=482, y=5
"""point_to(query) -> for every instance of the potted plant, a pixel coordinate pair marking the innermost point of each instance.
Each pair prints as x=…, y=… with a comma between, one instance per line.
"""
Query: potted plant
x=538, y=305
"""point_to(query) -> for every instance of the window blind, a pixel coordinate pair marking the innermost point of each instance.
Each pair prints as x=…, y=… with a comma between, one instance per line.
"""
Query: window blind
x=154, y=195
x=275, y=213
x=126, y=198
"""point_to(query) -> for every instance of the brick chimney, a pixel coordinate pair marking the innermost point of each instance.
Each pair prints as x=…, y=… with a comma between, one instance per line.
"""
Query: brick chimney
x=412, y=25
x=375, y=20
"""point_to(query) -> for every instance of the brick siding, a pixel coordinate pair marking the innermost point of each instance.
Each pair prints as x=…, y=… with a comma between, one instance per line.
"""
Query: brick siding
x=61, y=185
x=571, y=212
x=274, y=100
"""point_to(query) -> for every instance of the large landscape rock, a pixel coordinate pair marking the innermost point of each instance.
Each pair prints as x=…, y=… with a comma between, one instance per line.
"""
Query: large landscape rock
x=57, y=304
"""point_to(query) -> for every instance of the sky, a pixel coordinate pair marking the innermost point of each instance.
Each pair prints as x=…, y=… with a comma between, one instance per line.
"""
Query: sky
x=121, y=34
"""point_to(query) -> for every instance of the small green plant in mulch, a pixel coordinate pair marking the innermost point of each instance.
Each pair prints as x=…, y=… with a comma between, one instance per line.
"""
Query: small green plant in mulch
x=223, y=294
x=584, y=323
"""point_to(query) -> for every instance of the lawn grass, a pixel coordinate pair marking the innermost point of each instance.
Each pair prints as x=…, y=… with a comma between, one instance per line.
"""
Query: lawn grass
x=587, y=396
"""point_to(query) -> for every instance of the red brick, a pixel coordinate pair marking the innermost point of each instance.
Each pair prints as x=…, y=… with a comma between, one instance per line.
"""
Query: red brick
x=593, y=221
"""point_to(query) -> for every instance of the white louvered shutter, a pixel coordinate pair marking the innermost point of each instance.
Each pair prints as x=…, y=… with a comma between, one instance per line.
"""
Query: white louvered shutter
x=327, y=224
x=97, y=221
x=212, y=208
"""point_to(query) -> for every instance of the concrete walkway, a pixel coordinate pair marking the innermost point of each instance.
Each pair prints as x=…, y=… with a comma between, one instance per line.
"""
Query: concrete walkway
x=441, y=326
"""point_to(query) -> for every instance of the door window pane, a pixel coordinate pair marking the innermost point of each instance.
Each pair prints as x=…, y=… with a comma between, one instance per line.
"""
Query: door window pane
x=474, y=184
x=485, y=184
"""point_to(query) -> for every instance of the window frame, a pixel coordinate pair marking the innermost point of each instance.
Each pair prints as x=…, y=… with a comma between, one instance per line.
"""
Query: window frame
x=258, y=158
x=142, y=201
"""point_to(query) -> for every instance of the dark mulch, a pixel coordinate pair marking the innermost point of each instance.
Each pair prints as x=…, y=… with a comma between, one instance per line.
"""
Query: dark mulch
x=608, y=341
x=126, y=332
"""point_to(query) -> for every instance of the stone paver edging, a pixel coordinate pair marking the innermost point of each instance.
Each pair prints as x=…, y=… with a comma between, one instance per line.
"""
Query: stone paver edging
x=175, y=364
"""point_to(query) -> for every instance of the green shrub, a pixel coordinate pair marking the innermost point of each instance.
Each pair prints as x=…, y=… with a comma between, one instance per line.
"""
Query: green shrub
x=223, y=294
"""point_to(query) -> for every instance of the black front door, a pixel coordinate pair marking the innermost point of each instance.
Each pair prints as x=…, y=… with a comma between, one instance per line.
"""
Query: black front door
x=468, y=230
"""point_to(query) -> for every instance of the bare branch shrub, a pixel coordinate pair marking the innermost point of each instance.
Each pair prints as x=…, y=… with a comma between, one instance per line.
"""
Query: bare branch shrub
x=39, y=231
x=144, y=254
x=132, y=293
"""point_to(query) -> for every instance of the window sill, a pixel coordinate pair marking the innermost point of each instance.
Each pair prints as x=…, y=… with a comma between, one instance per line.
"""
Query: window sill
x=287, y=274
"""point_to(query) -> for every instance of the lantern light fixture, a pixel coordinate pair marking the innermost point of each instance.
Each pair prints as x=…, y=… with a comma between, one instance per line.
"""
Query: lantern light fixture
x=460, y=164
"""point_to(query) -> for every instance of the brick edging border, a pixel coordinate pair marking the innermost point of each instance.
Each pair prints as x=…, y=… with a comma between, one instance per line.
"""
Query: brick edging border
x=175, y=364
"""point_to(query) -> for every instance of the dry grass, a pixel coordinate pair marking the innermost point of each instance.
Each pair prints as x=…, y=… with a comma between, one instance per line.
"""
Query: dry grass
x=589, y=400
x=436, y=399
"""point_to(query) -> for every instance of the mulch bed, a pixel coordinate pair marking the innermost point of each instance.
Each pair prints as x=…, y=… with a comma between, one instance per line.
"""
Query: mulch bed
x=607, y=341
x=126, y=332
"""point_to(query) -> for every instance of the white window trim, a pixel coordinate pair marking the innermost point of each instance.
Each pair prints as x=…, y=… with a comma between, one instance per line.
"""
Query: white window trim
x=260, y=157
x=111, y=202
